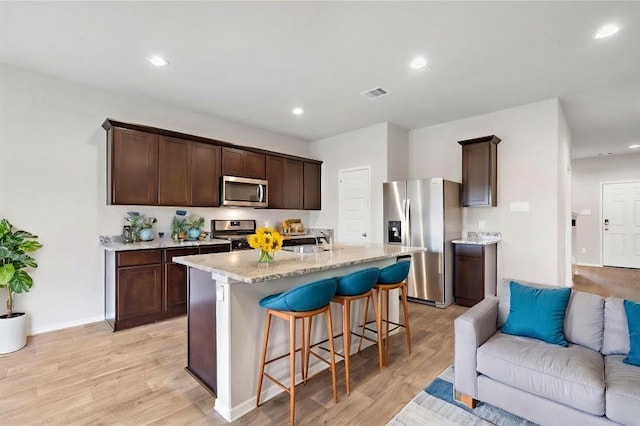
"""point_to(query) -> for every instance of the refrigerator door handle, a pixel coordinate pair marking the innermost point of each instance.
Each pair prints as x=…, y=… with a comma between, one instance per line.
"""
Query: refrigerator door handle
x=407, y=220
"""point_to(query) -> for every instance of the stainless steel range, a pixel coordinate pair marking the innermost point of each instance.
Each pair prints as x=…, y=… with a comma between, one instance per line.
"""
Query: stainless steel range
x=235, y=231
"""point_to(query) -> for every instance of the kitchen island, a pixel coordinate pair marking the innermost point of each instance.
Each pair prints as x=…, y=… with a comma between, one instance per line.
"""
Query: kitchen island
x=226, y=323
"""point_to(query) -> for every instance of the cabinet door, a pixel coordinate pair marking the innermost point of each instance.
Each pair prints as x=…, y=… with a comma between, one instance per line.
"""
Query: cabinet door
x=232, y=162
x=134, y=167
x=469, y=275
x=174, y=177
x=479, y=174
x=139, y=291
x=205, y=175
x=275, y=176
x=293, y=184
x=312, y=194
x=176, y=288
x=216, y=248
x=254, y=165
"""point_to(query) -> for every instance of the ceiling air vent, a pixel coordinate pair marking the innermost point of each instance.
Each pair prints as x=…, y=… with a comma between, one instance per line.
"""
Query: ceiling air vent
x=374, y=93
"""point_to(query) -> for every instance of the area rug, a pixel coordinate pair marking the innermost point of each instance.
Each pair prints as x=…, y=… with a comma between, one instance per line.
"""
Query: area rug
x=436, y=406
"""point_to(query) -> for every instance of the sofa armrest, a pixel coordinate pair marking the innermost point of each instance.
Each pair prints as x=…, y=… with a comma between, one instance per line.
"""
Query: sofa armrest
x=472, y=329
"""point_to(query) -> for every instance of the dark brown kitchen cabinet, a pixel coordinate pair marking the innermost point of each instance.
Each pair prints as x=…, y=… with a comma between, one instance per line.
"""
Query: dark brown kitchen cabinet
x=311, y=191
x=144, y=286
x=174, y=177
x=133, y=167
x=293, y=185
x=275, y=177
x=205, y=175
x=474, y=273
x=238, y=162
x=480, y=171
x=189, y=173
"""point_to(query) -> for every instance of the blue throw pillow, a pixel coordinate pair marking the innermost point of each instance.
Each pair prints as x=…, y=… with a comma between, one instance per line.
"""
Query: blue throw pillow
x=632, y=310
x=537, y=313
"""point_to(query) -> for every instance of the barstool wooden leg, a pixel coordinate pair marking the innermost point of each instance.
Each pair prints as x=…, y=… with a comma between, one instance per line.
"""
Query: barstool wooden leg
x=364, y=321
x=292, y=360
x=333, y=354
x=303, y=351
x=265, y=342
x=378, y=332
x=308, y=332
x=346, y=340
x=405, y=308
x=386, y=341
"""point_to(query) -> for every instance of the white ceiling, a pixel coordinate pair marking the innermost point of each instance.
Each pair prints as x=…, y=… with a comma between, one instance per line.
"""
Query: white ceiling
x=253, y=62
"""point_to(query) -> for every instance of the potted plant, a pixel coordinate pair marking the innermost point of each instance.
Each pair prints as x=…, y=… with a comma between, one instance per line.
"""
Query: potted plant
x=14, y=246
x=195, y=224
x=146, y=233
x=178, y=228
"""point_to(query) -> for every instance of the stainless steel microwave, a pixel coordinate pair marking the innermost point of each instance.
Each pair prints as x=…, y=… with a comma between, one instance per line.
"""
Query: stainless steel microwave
x=243, y=192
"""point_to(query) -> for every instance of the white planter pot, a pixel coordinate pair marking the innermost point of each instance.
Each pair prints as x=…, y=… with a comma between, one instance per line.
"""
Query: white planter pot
x=13, y=333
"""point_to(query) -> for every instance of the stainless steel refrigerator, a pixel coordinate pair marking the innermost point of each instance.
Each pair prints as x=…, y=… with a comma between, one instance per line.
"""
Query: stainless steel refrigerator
x=425, y=213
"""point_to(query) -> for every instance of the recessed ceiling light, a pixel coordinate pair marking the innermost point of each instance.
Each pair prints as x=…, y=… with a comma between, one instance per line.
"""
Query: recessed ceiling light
x=606, y=31
x=158, y=61
x=297, y=111
x=418, y=62
x=634, y=146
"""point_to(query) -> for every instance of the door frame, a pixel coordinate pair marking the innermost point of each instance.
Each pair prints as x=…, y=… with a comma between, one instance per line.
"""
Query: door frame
x=353, y=169
x=601, y=213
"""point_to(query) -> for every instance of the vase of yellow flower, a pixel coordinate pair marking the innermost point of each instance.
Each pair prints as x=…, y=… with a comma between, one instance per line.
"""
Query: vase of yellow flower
x=268, y=241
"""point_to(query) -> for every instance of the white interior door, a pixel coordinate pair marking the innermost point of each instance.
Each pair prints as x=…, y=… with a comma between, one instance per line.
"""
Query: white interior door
x=354, y=204
x=621, y=224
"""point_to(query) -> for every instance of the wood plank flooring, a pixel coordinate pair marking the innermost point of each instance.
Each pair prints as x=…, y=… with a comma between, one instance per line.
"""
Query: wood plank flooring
x=608, y=281
x=89, y=375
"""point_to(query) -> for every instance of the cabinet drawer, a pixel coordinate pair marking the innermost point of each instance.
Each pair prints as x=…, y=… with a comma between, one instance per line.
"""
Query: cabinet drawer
x=469, y=250
x=218, y=248
x=139, y=257
x=169, y=254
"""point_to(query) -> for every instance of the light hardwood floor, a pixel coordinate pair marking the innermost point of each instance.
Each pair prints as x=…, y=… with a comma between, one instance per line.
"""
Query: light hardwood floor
x=608, y=281
x=89, y=375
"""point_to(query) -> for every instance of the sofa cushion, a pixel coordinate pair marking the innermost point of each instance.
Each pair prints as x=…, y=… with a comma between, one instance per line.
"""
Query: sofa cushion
x=623, y=390
x=616, y=330
x=537, y=313
x=584, y=321
x=572, y=375
x=632, y=309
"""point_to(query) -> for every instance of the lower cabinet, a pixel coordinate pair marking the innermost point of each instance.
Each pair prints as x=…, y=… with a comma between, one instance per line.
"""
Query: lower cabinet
x=474, y=273
x=144, y=286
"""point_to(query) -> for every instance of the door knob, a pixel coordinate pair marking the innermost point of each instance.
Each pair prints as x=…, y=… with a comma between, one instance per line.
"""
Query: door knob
x=364, y=234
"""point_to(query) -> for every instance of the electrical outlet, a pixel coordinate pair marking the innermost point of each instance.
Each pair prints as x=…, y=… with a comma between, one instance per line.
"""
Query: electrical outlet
x=583, y=250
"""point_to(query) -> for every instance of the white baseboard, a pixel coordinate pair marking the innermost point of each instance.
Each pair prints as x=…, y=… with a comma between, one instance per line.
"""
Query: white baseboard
x=595, y=265
x=67, y=324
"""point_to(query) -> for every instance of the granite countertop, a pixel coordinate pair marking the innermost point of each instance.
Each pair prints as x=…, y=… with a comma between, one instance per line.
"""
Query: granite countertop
x=243, y=265
x=480, y=238
x=158, y=244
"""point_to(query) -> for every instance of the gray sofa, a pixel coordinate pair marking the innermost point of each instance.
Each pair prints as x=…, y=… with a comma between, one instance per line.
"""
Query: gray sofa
x=585, y=383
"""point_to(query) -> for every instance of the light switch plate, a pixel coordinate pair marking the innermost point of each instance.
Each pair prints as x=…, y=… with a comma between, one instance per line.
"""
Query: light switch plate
x=585, y=212
x=520, y=206
x=482, y=224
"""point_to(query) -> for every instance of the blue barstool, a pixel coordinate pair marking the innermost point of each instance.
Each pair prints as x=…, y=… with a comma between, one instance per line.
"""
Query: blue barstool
x=305, y=301
x=355, y=286
x=390, y=278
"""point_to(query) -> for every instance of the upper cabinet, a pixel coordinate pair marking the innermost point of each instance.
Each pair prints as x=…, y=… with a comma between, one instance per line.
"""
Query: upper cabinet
x=312, y=186
x=238, y=162
x=132, y=167
x=480, y=171
x=151, y=166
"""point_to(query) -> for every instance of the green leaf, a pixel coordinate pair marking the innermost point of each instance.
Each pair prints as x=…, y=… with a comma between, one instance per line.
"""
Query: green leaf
x=5, y=253
x=30, y=261
x=7, y=273
x=28, y=246
x=24, y=234
x=21, y=282
x=5, y=227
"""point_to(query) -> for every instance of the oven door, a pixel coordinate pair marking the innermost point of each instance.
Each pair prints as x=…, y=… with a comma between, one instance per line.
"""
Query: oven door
x=243, y=192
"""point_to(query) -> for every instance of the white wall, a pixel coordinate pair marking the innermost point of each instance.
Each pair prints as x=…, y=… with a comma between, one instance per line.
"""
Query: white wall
x=362, y=147
x=588, y=174
x=564, y=199
x=527, y=172
x=53, y=182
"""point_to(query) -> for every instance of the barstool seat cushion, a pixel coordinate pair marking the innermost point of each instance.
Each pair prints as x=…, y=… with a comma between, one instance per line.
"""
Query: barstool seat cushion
x=394, y=273
x=306, y=297
x=357, y=282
